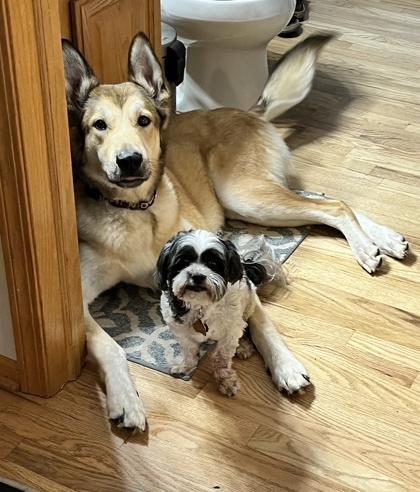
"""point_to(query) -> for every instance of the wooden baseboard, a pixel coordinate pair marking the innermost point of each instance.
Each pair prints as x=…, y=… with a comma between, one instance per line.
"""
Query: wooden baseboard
x=9, y=374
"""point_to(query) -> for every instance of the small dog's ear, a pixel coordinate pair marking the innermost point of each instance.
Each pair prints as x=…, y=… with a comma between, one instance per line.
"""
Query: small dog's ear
x=235, y=269
x=256, y=273
x=79, y=78
x=145, y=70
x=162, y=266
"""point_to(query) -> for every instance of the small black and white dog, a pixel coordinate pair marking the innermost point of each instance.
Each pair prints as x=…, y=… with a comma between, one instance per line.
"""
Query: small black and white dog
x=208, y=293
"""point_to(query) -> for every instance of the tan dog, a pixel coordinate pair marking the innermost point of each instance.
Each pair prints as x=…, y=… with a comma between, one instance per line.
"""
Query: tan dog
x=142, y=176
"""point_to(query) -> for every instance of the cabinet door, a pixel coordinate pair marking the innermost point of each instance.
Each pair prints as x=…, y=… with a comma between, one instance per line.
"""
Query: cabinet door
x=103, y=30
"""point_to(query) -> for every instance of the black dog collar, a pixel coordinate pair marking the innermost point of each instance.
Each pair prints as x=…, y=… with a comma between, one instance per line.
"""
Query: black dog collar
x=95, y=194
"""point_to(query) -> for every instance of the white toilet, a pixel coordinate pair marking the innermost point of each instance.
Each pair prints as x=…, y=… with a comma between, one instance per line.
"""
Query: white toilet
x=226, y=43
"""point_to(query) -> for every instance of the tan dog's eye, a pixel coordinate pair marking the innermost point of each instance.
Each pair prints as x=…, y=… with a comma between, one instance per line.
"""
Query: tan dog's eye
x=100, y=125
x=143, y=121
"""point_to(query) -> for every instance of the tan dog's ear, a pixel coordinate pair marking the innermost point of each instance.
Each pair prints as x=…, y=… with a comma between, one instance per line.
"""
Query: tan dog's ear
x=291, y=80
x=80, y=80
x=145, y=70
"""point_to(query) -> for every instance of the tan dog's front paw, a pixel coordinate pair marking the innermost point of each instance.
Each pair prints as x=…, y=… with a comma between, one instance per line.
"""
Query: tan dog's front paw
x=126, y=410
x=290, y=376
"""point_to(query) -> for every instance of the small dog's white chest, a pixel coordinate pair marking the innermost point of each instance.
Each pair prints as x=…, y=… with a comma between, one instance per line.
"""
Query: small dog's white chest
x=214, y=321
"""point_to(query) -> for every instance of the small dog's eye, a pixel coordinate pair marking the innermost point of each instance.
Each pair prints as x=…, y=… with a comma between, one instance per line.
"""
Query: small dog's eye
x=181, y=263
x=100, y=125
x=143, y=121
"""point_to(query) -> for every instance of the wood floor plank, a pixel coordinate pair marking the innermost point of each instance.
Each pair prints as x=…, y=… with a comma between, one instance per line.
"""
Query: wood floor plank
x=388, y=351
x=159, y=405
x=342, y=313
x=95, y=459
x=321, y=462
x=8, y=441
x=357, y=369
x=332, y=377
x=32, y=482
x=342, y=430
x=416, y=385
x=352, y=283
x=77, y=474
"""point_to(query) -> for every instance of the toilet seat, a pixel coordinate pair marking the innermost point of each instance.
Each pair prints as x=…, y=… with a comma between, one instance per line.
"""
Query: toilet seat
x=220, y=10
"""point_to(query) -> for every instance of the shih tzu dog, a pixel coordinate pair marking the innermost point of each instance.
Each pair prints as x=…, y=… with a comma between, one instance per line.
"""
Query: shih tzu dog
x=208, y=293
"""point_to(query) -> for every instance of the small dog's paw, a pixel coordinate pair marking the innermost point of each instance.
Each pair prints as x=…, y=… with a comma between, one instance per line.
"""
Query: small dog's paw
x=127, y=411
x=245, y=348
x=290, y=376
x=229, y=386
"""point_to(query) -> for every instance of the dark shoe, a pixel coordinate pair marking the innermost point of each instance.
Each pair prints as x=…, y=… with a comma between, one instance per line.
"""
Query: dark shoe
x=300, y=10
x=292, y=29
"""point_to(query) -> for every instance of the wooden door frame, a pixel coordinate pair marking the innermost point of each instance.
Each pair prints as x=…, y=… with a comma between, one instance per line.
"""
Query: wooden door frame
x=37, y=213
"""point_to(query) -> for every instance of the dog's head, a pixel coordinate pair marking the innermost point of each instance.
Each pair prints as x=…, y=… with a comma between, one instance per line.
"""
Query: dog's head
x=196, y=267
x=116, y=129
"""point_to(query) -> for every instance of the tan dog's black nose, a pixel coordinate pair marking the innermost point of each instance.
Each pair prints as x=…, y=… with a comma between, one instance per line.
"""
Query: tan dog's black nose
x=129, y=163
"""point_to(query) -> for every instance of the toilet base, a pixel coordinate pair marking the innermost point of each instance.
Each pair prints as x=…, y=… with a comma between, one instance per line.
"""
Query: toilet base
x=222, y=78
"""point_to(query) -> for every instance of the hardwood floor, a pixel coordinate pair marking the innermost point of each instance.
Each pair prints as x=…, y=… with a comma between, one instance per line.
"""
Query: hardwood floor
x=356, y=137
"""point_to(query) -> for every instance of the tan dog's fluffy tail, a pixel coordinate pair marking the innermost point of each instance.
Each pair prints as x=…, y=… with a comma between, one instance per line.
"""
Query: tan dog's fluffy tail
x=291, y=80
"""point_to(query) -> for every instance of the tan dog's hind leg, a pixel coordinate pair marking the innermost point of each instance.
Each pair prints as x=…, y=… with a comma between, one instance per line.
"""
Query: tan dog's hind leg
x=273, y=205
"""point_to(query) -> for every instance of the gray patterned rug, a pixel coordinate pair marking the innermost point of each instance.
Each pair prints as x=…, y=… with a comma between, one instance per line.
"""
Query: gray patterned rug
x=131, y=315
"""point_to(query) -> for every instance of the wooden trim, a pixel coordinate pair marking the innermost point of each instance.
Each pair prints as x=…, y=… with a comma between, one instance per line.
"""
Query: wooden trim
x=37, y=214
x=9, y=374
x=65, y=19
x=155, y=34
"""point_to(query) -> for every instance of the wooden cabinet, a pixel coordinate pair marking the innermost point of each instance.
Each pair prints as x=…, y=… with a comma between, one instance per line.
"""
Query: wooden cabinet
x=103, y=29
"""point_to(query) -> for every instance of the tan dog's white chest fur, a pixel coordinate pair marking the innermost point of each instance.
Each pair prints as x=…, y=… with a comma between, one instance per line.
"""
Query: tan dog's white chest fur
x=129, y=241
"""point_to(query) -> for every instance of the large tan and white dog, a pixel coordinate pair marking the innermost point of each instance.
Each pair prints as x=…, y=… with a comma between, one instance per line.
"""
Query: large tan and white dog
x=141, y=176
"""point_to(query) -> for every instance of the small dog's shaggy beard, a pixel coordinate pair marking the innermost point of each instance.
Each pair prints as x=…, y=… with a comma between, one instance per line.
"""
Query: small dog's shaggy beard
x=210, y=289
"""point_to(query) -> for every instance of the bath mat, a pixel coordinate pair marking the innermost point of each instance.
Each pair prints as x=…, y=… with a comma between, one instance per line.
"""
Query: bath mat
x=131, y=315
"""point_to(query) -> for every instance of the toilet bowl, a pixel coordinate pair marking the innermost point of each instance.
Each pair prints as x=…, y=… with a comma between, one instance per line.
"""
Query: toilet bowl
x=226, y=48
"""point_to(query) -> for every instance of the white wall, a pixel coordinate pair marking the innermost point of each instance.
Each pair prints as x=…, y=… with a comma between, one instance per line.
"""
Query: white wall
x=7, y=342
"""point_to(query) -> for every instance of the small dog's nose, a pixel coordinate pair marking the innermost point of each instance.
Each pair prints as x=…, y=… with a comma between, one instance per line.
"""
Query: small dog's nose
x=129, y=163
x=197, y=278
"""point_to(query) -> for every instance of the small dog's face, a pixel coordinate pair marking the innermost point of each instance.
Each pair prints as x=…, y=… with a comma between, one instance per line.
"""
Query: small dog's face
x=196, y=267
